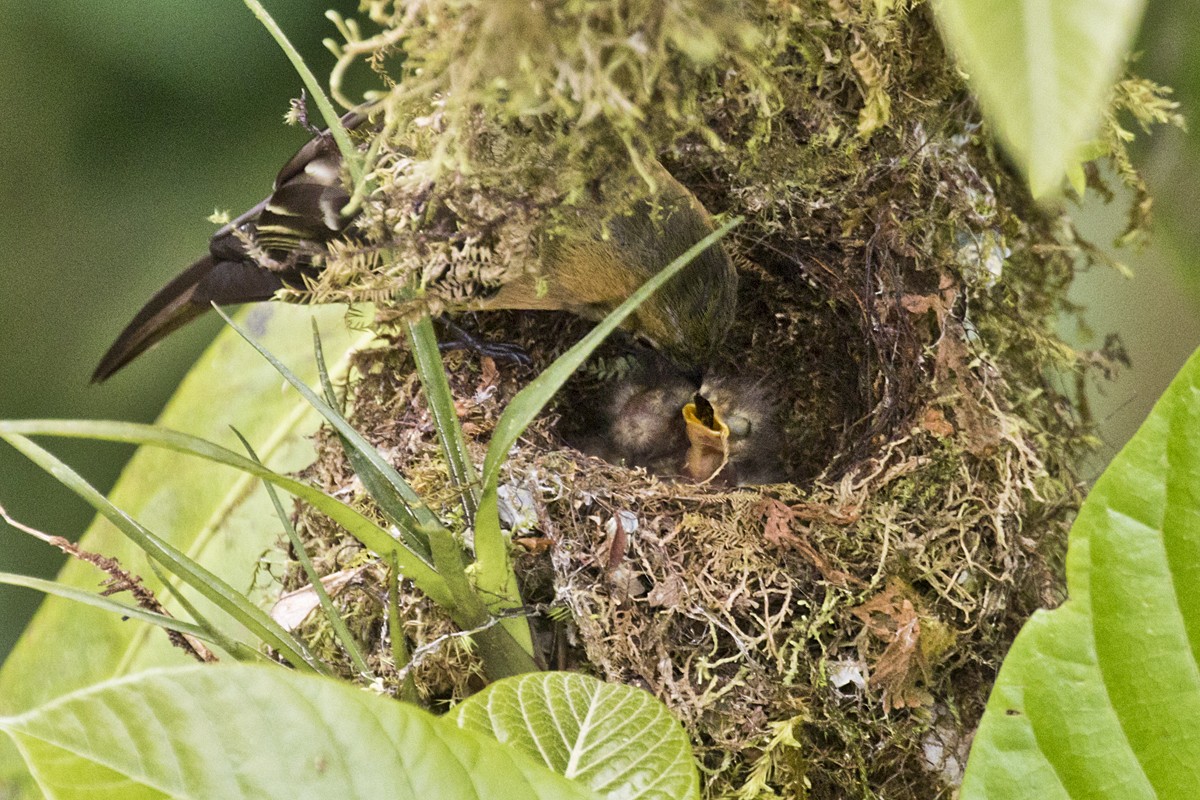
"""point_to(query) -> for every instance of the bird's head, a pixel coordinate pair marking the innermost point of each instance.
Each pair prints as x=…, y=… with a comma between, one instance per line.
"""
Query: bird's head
x=688, y=318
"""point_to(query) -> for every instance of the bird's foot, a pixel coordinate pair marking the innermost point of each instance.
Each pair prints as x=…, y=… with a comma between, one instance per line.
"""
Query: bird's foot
x=462, y=340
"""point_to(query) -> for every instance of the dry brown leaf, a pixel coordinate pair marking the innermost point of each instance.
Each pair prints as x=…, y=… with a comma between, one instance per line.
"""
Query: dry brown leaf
x=921, y=303
x=934, y=421
x=294, y=607
x=892, y=616
x=777, y=522
x=666, y=594
x=899, y=669
x=777, y=530
x=488, y=374
x=818, y=512
x=981, y=427
x=534, y=544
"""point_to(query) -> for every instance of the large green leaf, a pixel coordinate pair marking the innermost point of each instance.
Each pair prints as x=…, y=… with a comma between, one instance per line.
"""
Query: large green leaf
x=1101, y=697
x=618, y=740
x=261, y=733
x=1043, y=70
x=214, y=514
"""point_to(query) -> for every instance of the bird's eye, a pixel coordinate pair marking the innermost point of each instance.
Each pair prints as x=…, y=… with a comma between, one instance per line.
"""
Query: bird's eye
x=738, y=426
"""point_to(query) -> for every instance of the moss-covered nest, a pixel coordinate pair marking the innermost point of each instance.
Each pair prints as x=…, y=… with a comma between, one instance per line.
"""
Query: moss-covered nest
x=834, y=635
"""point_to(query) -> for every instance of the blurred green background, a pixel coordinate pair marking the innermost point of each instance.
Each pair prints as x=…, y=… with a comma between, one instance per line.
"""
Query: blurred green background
x=122, y=126
x=125, y=123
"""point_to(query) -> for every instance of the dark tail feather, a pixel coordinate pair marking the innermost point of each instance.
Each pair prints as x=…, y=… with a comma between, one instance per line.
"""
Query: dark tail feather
x=181, y=301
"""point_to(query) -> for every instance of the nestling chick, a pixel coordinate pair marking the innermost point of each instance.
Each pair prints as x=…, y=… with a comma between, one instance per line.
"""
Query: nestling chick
x=727, y=431
x=647, y=428
x=754, y=446
x=640, y=424
x=606, y=253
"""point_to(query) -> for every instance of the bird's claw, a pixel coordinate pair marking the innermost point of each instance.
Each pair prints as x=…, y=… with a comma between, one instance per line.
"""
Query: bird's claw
x=500, y=351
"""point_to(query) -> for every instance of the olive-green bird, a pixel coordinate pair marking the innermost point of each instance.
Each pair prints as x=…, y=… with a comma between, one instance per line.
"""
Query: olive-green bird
x=582, y=271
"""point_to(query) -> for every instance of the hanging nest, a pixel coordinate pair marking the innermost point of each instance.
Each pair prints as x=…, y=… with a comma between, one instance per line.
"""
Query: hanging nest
x=834, y=634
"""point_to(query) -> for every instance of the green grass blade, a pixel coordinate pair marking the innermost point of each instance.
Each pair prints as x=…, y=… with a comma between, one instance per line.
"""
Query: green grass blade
x=400, y=655
x=445, y=419
x=350, y=156
x=494, y=575
x=426, y=519
x=335, y=619
x=371, y=536
x=379, y=486
x=505, y=645
x=502, y=655
x=107, y=604
x=217, y=637
x=206, y=583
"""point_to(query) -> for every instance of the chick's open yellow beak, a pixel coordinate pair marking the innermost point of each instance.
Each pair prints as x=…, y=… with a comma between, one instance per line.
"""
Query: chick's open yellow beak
x=708, y=452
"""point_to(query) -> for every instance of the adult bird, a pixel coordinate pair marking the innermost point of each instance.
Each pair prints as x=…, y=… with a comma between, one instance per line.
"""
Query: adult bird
x=588, y=269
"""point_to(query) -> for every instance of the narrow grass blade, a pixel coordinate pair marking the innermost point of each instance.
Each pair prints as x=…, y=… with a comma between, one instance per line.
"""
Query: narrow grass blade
x=400, y=655
x=107, y=604
x=502, y=654
x=373, y=537
x=349, y=152
x=331, y=613
x=217, y=637
x=206, y=583
x=426, y=519
x=379, y=486
x=423, y=342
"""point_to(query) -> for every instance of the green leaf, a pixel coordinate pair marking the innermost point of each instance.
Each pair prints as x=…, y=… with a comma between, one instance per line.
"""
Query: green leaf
x=205, y=510
x=1043, y=70
x=618, y=740
x=1101, y=697
x=262, y=733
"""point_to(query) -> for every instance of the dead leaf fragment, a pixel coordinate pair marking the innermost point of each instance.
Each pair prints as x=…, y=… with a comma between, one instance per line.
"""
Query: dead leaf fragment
x=934, y=421
x=778, y=530
x=777, y=522
x=921, y=303
x=893, y=616
x=291, y=609
x=667, y=594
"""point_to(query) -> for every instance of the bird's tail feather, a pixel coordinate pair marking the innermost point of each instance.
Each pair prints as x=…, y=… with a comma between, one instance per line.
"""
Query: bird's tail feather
x=184, y=299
